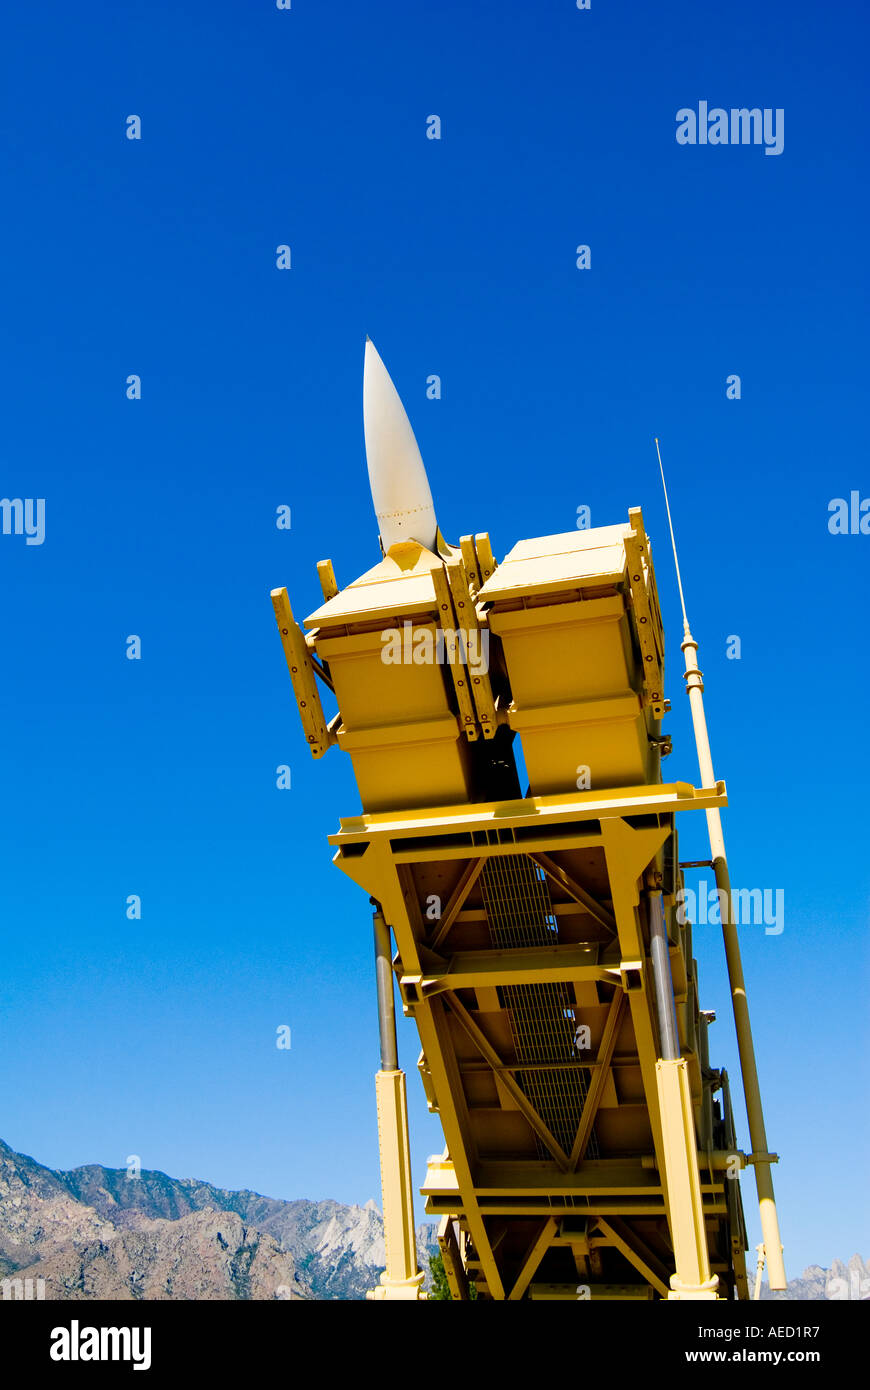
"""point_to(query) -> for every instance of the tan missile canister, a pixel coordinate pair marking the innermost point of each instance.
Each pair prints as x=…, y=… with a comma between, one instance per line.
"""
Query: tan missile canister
x=386, y=653
x=579, y=621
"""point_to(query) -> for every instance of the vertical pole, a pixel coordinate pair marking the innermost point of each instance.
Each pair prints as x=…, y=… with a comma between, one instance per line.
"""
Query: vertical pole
x=386, y=998
x=706, y=1126
x=663, y=980
x=761, y=1159
x=749, y=1070
x=401, y=1278
x=693, y=1279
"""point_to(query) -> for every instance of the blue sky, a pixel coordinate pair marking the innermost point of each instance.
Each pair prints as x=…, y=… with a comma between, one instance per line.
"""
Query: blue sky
x=157, y=777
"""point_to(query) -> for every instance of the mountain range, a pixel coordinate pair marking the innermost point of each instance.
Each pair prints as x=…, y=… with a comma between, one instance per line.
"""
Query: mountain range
x=95, y=1233
x=839, y=1283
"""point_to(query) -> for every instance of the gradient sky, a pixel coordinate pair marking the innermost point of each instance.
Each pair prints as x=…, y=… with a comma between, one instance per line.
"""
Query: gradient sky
x=157, y=777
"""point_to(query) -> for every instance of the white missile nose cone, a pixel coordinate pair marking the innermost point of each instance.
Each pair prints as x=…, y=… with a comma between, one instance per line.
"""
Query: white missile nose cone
x=400, y=489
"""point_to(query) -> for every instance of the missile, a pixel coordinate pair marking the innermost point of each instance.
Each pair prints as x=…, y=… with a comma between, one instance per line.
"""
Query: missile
x=400, y=489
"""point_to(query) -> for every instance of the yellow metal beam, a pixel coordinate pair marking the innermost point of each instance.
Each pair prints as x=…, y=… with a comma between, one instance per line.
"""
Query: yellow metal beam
x=467, y=880
x=451, y=1257
x=614, y=1176
x=692, y=1280
x=599, y=1078
x=611, y=1293
x=533, y=1259
x=623, y=1239
x=401, y=1278
x=326, y=575
x=506, y=1077
x=475, y=969
x=474, y=638
x=432, y=1025
x=538, y=811
x=301, y=675
x=469, y=559
x=456, y=666
x=628, y=851
x=485, y=560
x=574, y=889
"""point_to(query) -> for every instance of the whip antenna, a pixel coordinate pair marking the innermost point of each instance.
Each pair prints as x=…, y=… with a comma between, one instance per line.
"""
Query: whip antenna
x=673, y=539
x=761, y=1158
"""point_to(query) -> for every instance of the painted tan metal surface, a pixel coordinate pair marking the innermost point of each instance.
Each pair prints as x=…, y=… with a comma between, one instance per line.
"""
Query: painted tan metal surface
x=578, y=1163
x=401, y=1278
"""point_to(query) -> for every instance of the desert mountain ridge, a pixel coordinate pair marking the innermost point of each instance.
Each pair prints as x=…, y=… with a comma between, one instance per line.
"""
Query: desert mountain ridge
x=95, y=1233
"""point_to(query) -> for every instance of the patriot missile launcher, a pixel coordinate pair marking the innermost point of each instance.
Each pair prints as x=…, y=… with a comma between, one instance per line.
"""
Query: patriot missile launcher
x=537, y=940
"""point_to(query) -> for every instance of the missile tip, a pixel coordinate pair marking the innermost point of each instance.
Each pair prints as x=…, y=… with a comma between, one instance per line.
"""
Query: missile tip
x=400, y=488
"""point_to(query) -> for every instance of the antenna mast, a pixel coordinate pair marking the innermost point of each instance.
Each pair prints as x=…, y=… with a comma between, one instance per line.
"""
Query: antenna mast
x=760, y=1158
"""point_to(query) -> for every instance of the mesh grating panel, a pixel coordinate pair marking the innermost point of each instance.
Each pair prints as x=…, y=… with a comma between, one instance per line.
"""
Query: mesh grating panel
x=519, y=912
x=517, y=902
